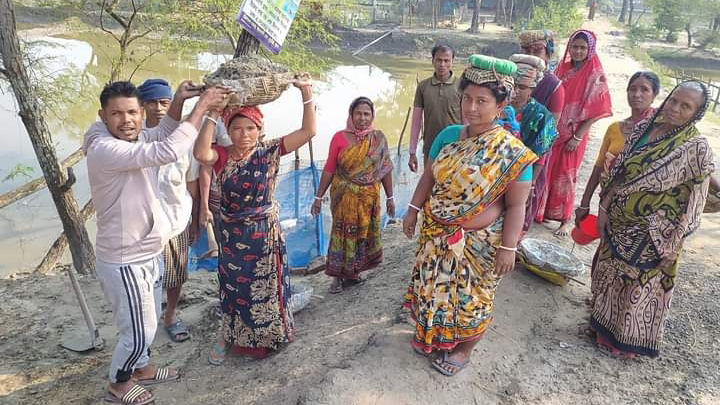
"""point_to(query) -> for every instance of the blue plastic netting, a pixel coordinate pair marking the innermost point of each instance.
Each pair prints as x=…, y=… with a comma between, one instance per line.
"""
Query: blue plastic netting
x=306, y=236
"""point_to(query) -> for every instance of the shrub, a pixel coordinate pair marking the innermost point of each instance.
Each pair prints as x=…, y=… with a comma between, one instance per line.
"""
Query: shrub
x=560, y=16
x=640, y=33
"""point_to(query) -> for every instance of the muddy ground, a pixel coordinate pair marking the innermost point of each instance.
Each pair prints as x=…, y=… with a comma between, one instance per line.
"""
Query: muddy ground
x=353, y=348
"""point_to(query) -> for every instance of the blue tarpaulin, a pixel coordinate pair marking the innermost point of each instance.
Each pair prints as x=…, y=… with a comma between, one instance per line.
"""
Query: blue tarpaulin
x=306, y=236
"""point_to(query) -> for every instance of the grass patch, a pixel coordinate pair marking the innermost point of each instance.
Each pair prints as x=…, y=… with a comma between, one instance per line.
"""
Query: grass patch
x=641, y=55
x=712, y=117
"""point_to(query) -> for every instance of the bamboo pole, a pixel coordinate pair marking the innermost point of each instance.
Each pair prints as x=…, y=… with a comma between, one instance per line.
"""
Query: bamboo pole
x=296, y=184
x=374, y=42
x=402, y=133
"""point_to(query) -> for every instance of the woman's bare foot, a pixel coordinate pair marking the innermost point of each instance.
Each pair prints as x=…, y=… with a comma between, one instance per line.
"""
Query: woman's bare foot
x=119, y=389
x=336, y=286
x=549, y=223
x=564, y=230
x=218, y=353
x=451, y=363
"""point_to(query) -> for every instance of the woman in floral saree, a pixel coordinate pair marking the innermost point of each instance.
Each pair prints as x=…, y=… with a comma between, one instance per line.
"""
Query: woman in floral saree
x=537, y=125
x=653, y=200
x=358, y=161
x=472, y=195
x=252, y=267
x=587, y=99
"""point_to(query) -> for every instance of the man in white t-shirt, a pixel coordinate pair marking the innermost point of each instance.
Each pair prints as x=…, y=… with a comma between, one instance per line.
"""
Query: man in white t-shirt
x=179, y=194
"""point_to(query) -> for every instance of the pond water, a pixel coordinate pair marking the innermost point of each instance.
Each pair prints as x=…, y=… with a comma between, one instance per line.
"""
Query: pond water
x=31, y=225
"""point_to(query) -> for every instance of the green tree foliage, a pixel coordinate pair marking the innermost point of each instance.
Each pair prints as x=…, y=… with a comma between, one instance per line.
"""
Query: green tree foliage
x=560, y=16
x=20, y=170
x=671, y=17
x=128, y=22
x=198, y=21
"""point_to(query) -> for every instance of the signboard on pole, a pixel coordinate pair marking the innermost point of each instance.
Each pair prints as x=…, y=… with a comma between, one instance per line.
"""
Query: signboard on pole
x=268, y=20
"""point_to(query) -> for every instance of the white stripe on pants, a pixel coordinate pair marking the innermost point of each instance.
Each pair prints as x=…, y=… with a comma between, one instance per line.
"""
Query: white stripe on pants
x=132, y=289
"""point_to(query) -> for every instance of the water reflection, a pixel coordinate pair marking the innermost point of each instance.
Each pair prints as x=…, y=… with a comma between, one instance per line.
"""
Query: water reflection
x=30, y=226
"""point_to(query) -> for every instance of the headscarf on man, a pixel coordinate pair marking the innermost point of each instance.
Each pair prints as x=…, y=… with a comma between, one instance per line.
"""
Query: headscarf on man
x=155, y=89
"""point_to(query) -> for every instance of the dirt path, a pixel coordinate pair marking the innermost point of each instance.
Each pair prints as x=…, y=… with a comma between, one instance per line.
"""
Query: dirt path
x=353, y=348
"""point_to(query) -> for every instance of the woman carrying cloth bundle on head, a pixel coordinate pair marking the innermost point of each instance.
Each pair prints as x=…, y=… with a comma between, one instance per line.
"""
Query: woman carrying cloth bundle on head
x=537, y=125
x=358, y=161
x=653, y=200
x=472, y=194
x=587, y=99
x=549, y=91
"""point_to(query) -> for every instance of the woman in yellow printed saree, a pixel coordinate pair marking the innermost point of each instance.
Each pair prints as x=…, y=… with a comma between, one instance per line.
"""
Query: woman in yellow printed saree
x=653, y=200
x=358, y=161
x=472, y=193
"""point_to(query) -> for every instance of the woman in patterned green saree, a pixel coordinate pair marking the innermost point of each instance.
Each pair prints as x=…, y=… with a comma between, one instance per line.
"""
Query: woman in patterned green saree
x=655, y=194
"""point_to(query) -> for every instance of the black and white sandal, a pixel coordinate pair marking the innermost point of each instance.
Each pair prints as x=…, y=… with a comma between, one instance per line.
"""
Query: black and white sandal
x=162, y=375
x=130, y=397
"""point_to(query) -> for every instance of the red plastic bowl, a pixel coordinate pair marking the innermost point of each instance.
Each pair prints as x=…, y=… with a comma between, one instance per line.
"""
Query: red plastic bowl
x=587, y=231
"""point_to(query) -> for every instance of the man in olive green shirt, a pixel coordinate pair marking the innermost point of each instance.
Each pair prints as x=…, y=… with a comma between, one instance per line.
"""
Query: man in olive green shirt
x=437, y=103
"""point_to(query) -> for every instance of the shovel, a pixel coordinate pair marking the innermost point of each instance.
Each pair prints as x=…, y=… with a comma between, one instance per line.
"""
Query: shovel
x=78, y=341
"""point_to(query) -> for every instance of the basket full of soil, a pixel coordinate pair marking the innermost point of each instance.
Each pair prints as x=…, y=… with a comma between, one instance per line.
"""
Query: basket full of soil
x=254, y=79
x=549, y=261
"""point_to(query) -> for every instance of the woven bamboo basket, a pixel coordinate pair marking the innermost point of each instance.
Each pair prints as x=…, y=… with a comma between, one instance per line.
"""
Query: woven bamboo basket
x=254, y=80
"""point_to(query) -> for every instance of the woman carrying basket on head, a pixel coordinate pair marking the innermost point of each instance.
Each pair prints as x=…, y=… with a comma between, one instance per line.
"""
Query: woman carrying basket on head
x=252, y=267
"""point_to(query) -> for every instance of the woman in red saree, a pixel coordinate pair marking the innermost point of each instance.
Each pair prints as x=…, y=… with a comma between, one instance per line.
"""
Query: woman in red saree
x=587, y=99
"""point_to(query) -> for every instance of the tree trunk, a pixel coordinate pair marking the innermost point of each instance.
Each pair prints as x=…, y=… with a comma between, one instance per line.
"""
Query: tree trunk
x=716, y=23
x=512, y=11
x=117, y=67
x=631, y=9
x=623, y=11
x=246, y=44
x=433, y=6
x=73, y=224
x=374, y=6
x=688, y=29
x=475, y=17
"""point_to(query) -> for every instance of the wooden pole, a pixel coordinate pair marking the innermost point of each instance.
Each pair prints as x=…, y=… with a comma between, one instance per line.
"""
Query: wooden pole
x=37, y=184
x=316, y=183
x=296, y=184
x=373, y=42
x=34, y=120
x=246, y=44
x=407, y=117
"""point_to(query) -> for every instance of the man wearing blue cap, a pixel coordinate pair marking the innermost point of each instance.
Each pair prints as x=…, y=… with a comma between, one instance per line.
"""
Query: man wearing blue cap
x=178, y=187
